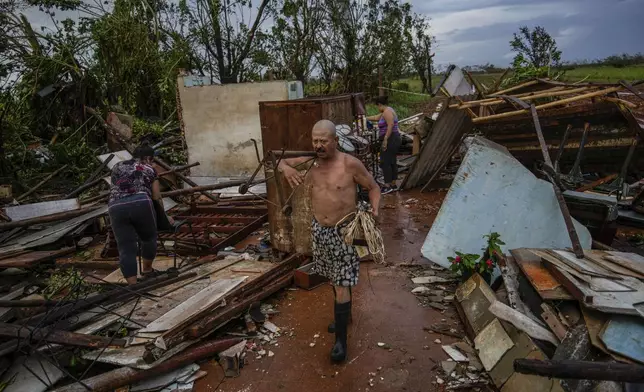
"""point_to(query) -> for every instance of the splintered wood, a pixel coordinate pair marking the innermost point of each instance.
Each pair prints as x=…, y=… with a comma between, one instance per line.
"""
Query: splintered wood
x=175, y=307
x=595, y=280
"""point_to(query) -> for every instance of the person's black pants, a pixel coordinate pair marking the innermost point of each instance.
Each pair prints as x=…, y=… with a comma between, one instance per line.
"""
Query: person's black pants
x=388, y=158
x=134, y=218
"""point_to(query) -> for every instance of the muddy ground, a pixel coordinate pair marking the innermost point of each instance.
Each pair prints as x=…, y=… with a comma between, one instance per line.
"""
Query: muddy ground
x=384, y=311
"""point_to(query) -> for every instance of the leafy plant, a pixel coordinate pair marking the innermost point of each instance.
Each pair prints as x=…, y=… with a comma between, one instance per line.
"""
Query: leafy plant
x=67, y=281
x=467, y=263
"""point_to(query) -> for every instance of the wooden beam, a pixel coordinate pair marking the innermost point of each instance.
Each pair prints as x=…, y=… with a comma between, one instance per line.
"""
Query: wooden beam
x=120, y=377
x=41, y=183
x=546, y=105
x=522, y=95
x=517, y=87
x=527, y=97
x=58, y=336
x=596, y=183
x=581, y=370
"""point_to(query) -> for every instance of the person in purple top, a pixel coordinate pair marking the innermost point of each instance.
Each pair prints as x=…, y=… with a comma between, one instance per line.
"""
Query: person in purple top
x=135, y=185
x=389, y=135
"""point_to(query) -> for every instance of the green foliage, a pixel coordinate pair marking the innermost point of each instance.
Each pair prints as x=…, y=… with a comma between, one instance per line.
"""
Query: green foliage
x=536, y=48
x=67, y=282
x=468, y=263
x=401, y=86
x=636, y=239
x=536, y=55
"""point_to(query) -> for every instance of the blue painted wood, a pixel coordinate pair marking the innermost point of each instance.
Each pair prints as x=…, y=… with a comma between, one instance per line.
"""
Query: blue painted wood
x=625, y=336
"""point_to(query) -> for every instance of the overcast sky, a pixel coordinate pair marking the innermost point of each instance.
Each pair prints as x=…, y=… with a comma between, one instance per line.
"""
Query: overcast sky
x=478, y=31
x=472, y=32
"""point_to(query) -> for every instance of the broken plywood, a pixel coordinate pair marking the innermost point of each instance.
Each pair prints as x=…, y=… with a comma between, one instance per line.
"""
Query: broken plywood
x=595, y=293
x=631, y=261
x=193, y=305
x=595, y=321
x=623, y=335
x=160, y=263
x=539, y=277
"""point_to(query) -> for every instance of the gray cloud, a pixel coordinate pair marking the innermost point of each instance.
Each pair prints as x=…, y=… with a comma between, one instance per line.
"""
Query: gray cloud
x=479, y=31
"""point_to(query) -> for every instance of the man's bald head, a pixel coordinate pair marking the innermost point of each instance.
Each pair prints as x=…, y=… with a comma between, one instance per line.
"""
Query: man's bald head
x=325, y=126
x=325, y=140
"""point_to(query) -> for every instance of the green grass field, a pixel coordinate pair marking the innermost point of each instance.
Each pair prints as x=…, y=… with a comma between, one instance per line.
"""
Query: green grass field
x=407, y=105
x=603, y=74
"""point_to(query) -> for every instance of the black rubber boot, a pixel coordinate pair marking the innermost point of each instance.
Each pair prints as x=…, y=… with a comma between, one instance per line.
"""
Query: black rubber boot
x=339, y=351
x=331, y=327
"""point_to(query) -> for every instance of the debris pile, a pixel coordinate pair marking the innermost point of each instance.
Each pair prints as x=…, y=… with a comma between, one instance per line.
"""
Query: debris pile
x=554, y=308
x=69, y=321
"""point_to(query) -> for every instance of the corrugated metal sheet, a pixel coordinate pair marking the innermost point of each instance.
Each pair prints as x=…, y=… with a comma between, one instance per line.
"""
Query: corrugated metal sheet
x=27, y=211
x=437, y=149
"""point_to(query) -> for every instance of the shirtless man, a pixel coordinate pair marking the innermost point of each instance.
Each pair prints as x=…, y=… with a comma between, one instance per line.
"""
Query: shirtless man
x=334, y=176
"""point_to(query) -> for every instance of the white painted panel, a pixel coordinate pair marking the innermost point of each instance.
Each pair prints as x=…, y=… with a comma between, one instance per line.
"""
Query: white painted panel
x=493, y=192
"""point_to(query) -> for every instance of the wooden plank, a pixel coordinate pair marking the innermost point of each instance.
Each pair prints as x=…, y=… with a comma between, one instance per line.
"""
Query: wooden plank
x=522, y=322
x=510, y=273
x=551, y=318
x=626, y=302
x=582, y=265
x=58, y=336
x=244, y=232
x=623, y=335
x=598, y=257
x=595, y=283
x=160, y=263
x=197, y=303
x=539, y=277
x=569, y=283
x=632, y=261
x=596, y=183
x=31, y=259
x=219, y=219
x=204, y=271
x=446, y=133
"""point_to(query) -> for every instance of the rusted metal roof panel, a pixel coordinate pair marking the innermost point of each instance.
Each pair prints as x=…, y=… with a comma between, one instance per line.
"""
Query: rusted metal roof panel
x=287, y=124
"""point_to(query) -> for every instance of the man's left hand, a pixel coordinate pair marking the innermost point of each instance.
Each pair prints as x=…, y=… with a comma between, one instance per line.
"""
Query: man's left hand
x=376, y=217
x=384, y=145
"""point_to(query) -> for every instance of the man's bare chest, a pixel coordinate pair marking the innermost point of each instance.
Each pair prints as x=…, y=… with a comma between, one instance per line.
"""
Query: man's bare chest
x=336, y=180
